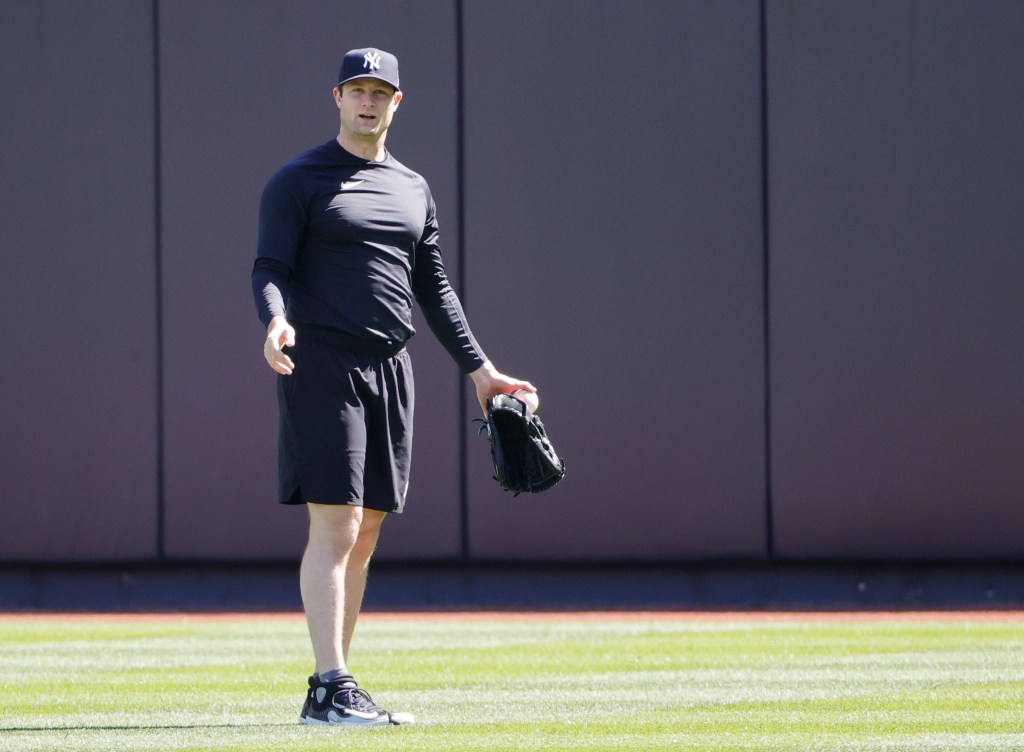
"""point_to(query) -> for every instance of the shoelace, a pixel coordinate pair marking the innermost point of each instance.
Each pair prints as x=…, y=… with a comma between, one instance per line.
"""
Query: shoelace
x=357, y=699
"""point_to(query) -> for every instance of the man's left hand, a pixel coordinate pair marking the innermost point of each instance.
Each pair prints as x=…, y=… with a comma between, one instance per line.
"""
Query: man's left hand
x=490, y=382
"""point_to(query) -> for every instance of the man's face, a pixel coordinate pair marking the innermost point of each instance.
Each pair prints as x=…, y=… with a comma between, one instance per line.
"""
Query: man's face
x=367, y=106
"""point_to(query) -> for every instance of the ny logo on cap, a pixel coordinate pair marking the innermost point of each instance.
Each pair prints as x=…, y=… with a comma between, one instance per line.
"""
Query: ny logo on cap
x=371, y=61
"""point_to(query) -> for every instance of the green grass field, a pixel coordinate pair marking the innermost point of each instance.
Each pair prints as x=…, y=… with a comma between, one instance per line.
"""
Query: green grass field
x=521, y=685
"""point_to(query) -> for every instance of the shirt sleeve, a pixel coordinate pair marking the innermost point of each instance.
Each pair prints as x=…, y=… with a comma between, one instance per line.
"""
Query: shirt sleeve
x=281, y=228
x=440, y=305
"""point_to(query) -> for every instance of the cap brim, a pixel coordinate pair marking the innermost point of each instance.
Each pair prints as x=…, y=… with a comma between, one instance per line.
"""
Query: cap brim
x=392, y=84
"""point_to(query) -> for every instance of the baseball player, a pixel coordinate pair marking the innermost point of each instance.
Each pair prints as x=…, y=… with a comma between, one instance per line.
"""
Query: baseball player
x=348, y=238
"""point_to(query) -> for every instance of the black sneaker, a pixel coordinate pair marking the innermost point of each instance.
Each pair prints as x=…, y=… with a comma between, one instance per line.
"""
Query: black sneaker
x=343, y=703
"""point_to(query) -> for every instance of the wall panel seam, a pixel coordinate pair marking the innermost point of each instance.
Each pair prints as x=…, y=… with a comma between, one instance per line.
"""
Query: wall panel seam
x=158, y=276
x=460, y=208
x=765, y=274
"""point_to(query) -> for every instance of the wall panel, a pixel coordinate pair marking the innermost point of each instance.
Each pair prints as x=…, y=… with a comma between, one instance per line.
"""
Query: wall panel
x=614, y=257
x=78, y=461
x=245, y=87
x=896, y=271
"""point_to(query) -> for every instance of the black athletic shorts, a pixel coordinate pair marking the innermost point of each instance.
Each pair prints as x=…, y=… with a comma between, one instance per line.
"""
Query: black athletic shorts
x=345, y=424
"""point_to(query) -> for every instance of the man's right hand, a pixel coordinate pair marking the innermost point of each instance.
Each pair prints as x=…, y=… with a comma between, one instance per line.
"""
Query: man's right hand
x=280, y=334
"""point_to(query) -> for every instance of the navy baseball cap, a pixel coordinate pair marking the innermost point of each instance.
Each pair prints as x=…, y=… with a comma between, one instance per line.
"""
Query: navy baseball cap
x=369, y=62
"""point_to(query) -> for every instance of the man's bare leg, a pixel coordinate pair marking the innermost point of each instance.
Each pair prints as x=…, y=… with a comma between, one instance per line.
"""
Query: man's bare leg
x=356, y=572
x=333, y=532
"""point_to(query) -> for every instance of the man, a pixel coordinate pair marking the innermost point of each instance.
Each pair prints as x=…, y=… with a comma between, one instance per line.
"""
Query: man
x=348, y=238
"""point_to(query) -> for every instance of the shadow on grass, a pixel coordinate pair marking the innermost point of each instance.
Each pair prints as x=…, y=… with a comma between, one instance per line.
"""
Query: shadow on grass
x=15, y=729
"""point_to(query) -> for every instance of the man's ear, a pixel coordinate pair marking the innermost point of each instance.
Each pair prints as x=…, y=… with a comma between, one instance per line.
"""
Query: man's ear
x=337, y=95
x=397, y=98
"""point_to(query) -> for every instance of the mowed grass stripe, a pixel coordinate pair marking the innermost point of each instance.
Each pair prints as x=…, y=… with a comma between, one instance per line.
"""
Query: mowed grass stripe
x=520, y=685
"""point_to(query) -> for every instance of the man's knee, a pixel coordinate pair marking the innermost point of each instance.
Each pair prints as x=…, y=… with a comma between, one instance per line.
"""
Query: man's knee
x=335, y=526
x=369, y=529
x=372, y=521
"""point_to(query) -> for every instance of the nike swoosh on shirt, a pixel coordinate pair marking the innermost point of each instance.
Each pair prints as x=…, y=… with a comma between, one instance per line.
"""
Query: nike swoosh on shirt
x=350, y=184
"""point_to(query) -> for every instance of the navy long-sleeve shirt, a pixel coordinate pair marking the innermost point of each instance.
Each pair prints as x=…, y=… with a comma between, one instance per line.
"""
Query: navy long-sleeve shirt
x=349, y=244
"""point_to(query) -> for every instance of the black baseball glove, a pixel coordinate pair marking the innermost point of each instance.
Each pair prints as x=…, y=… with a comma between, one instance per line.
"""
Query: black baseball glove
x=524, y=459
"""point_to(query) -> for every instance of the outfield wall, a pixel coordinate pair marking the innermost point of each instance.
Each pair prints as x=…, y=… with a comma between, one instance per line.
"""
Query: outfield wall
x=763, y=260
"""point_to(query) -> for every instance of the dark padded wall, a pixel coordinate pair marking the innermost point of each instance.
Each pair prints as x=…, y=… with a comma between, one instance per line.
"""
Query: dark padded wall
x=614, y=255
x=613, y=221
x=897, y=176
x=245, y=86
x=78, y=458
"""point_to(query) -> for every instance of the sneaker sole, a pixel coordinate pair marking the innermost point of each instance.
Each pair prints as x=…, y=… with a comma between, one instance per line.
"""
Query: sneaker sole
x=355, y=722
x=393, y=719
